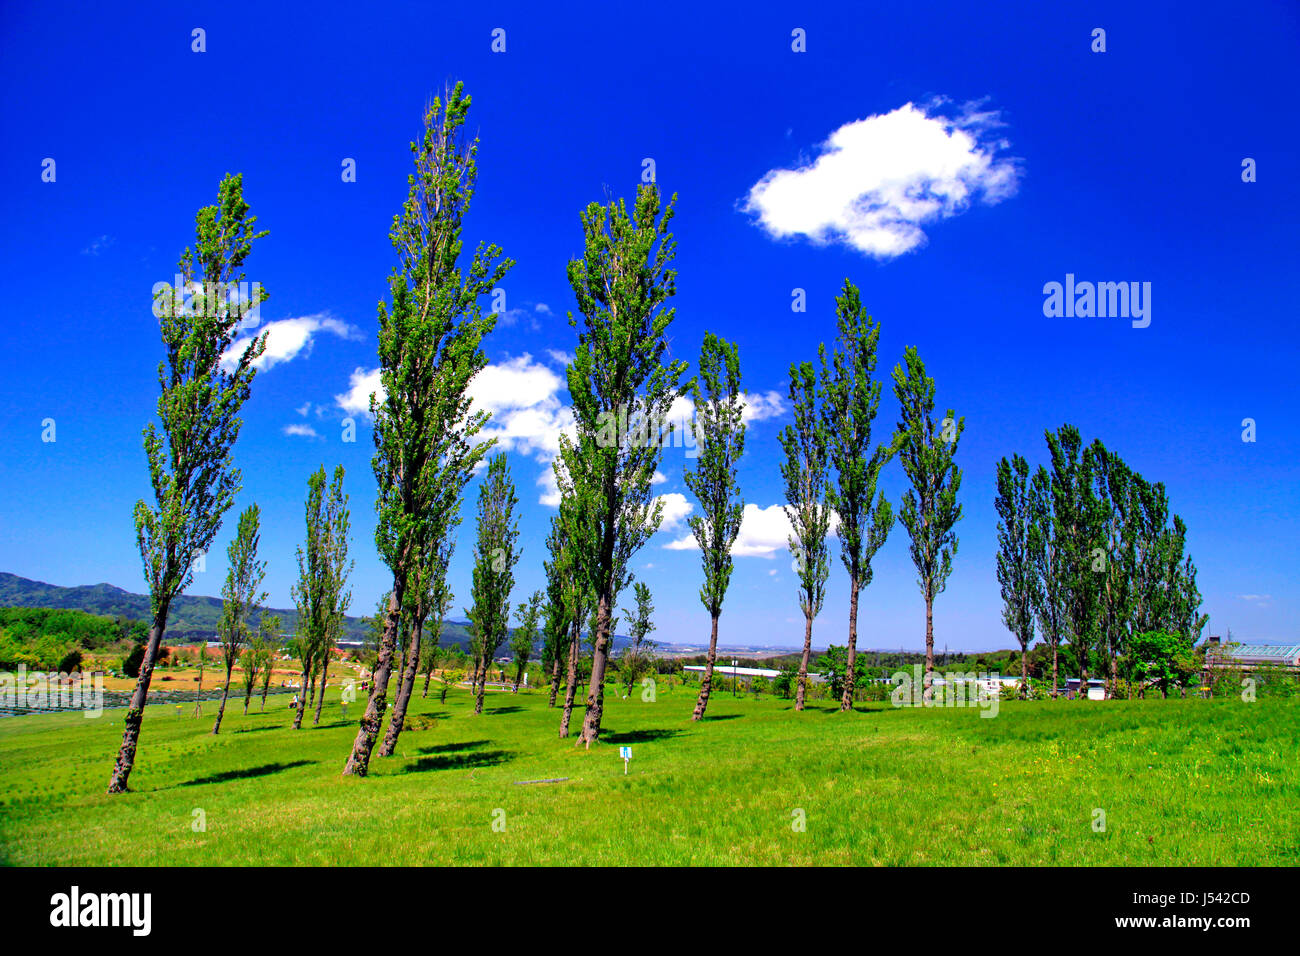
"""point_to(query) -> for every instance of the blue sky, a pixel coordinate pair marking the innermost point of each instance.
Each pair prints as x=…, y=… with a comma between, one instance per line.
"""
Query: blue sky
x=1115, y=166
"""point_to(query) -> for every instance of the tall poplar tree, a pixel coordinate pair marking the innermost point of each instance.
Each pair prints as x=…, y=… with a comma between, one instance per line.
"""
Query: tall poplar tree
x=321, y=593
x=559, y=600
x=524, y=637
x=430, y=347
x=1045, y=550
x=852, y=398
x=495, y=555
x=930, y=509
x=805, y=444
x=720, y=437
x=1015, y=565
x=191, y=471
x=1078, y=518
x=240, y=596
x=622, y=384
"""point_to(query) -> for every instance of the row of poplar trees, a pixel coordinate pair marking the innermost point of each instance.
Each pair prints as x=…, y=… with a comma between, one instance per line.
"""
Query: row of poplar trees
x=1089, y=554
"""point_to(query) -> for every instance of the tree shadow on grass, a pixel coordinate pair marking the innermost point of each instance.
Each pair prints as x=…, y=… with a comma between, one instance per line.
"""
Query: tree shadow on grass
x=262, y=771
x=452, y=748
x=508, y=709
x=638, y=736
x=460, y=761
x=707, y=718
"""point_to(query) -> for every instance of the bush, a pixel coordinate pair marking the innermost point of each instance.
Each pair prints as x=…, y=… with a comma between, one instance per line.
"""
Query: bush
x=131, y=663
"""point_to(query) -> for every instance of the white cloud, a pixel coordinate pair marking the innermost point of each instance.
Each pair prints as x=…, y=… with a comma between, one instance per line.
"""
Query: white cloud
x=560, y=357
x=675, y=510
x=762, y=405
x=97, y=245
x=302, y=431
x=1256, y=598
x=763, y=533
x=877, y=180
x=527, y=414
x=658, y=478
x=286, y=339
x=543, y=308
x=362, y=382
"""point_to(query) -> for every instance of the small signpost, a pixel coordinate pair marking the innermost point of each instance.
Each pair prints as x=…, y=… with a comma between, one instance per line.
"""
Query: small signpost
x=626, y=754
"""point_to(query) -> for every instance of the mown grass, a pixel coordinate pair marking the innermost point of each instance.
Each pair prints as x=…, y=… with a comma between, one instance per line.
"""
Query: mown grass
x=1181, y=782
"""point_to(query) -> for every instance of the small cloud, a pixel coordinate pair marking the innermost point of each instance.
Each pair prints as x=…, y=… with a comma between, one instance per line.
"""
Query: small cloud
x=658, y=478
x=759, y=406
x=543, y=308
x=302, y=431
x=878, y=180
x=286, y=339
x=560, y=357
x=1256, y=598
x=304, y=410
x=98, y=245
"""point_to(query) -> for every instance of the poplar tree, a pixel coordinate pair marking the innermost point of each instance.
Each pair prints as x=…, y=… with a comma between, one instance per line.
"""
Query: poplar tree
x=321, y=593
x=637, y=658
x=930, y=509
x=1077, y=516
x=524, y=637
x=620, y=377
x=440, y=604
x=559, y=599
x=852, y=398
x=1115, y=490
x=191, y=471
x=1049, y=602
x=269, y=627
x=577, y=601
x=430, y=347
x=720, y=438
x=805, y=444
x=495, y=555
x=240, y=596
x=1015, y=565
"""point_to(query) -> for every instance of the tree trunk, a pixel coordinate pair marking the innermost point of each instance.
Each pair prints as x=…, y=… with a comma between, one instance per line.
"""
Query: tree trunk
x=851, y=665
x=706, y=684
x=248, y=696
x=1054, y=669
x=359, y=761
x=427, y=675
x=265, y=688
x=404, y=689
x=302, y=694
x=555, y=678
x=1024, y=669
x=225, y=692
x=571, y=687
x=596, y=690
x=324, y=675
x=198, y=700
x=801, y=689
x=519, y=674
x=482, y=685
x=929, y=638
x=117, y=783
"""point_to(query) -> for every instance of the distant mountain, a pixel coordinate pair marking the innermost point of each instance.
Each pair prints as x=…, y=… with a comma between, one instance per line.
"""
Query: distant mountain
x=191, y=617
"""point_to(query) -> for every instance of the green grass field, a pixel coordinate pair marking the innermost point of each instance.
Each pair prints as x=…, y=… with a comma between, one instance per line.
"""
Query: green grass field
x=1189, y=782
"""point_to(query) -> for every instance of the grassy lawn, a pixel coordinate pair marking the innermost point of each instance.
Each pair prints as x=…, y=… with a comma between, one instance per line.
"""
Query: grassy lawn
x=1181, y=782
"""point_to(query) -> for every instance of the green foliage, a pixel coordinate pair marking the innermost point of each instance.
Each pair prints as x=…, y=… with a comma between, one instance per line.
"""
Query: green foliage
x=720, y=436
x=1161, y=659
x=1015, y=565
x=805, y=443
x=930, y=509
x=131, y=663
x=524, y=637
x=190, y=466
x=240, y=592
x=833, y=665
x=495, y=556
x=26, y=625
